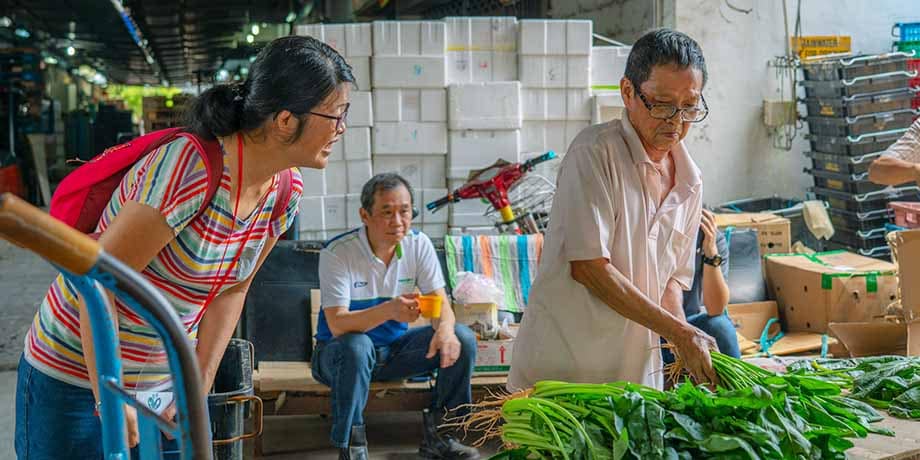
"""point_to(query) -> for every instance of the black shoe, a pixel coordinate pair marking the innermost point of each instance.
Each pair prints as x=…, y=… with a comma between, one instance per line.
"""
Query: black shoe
x=357, y=446
x=436, y=447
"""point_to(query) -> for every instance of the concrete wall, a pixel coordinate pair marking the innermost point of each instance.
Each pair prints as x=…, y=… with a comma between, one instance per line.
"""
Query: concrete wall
x=732, y=146
x=622, y=20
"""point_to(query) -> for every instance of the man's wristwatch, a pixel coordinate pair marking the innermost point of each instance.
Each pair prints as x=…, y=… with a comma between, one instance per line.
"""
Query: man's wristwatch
x=715, y=261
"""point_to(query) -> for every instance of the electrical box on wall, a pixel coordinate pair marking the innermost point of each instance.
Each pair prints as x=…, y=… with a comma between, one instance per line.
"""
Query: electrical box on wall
x=779, y=113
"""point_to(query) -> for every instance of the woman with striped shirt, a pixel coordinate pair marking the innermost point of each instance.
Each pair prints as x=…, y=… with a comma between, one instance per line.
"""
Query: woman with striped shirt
x=287, y=114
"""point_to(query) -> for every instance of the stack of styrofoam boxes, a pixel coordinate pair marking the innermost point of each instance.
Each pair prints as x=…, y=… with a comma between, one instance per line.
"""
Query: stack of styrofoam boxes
x=410, y=111
x=485, y=125
x=608, y=64
x=555, y=72
x=324, y=210
x=481, y=49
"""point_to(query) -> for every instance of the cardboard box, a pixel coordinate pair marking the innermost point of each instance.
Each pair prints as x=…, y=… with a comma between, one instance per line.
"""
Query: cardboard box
x=312, y=215
x=471, y=150
x=607, y=107
x=427, y=217
x=473, y=313
x=425, y=105
x=749, y=319
x=493, y=357
x=813, y=290
x=773, y=231
x=410, y=138
x=409, y=72
x=608, y=65
x=335, y=212
x=361, y=111
x=428, y=170
x=314, y=181
x=872, y=338
x=361, y=70
x=485, y=106
x=410, y=38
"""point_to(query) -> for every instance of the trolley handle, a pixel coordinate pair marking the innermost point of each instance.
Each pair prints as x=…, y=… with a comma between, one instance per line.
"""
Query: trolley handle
x=529, y=164
x=443, y=201
x=29, y=227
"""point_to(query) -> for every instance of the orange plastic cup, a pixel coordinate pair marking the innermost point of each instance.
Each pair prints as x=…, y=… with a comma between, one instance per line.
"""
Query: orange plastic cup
x=430, y=306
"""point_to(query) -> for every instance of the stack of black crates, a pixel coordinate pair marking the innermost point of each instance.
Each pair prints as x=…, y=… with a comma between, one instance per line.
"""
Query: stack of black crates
x=857, y=107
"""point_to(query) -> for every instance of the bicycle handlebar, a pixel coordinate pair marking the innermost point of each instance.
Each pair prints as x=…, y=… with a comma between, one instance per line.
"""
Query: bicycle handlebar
x=529, y=164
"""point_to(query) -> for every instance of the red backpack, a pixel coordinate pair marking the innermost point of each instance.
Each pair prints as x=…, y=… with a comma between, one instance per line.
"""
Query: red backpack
x=83, y=195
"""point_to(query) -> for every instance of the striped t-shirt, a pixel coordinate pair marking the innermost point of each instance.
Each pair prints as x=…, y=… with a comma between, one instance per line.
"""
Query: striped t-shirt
x=173, y=180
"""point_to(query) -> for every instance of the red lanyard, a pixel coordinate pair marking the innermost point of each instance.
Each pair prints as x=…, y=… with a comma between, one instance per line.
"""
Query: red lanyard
x=215, y=289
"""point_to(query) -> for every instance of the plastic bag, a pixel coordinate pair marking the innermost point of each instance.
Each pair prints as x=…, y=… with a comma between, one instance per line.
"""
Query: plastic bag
x=477, y=288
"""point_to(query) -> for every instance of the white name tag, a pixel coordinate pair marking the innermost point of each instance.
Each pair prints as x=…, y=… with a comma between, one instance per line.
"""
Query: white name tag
x=155, y=401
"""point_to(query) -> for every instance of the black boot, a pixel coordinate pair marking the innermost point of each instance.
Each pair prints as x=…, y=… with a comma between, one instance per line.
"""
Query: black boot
x=357, y=447
x=436, y=447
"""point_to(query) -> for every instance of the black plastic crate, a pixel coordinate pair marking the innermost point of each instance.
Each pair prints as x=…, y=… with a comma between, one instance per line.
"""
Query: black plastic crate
x=868, y=202
x=878, y=252
x=849, y=68
x=861, y=124
x=862, y=85
x=849, y=183
x=853, y=106
x=865, y=239
x=858, y=222
x=855, y=145
x=842, y=164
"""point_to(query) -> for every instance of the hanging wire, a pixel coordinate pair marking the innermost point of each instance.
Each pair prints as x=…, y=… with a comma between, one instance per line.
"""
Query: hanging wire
x=786, y=67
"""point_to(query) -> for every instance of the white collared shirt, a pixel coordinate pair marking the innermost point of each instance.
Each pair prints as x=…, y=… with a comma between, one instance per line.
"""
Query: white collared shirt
x=606, y=207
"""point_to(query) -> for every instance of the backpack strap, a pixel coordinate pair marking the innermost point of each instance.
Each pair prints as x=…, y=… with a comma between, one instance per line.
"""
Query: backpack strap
x=284, y=194
x=213, y=157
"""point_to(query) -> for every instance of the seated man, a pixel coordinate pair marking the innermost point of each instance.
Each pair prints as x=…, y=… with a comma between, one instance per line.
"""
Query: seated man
x=705, y=302
x=368, y=278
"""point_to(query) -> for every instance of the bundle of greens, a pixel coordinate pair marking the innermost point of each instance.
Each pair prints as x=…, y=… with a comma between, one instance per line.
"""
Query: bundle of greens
x=753, y=414
x=886, y=382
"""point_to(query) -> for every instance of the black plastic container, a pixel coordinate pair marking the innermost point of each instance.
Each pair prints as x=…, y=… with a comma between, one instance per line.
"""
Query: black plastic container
x=863, y=85
x=878, y=252
x=842, y=164
x=855, y=145
x=863, y=203
x=859, y=105
x=849, y=183
x=849, y=68
x=862, y=124
x=858, y=222
x=231, y=400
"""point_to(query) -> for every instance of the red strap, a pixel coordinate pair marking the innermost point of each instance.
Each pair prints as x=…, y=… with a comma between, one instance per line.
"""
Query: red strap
x=284, y=194
x=213, y=158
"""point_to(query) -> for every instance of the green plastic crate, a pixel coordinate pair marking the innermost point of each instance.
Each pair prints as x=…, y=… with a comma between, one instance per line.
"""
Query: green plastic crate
x=908, y=47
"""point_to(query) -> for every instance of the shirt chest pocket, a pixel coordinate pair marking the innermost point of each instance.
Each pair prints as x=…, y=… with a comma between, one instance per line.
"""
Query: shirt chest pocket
x=671, y=253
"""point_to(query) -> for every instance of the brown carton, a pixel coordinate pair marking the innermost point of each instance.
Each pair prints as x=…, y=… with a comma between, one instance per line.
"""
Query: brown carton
x=749, y=319
x=813, y=290
x=773, y=232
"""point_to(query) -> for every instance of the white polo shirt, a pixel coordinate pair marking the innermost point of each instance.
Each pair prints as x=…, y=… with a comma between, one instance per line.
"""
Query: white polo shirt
x=606, y=207
x=350, y=275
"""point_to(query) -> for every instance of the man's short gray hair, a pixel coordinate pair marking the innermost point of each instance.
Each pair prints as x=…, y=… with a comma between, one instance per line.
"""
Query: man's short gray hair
x=663, y=47
x=382, y=182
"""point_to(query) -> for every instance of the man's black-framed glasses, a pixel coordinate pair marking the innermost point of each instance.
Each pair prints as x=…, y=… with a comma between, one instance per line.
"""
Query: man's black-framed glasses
x=667, y=111
x=339, y=120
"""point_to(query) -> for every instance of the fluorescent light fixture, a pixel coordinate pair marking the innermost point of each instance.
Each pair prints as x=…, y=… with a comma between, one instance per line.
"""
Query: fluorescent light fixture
x=5, y=21
x=223, y=75
x=22, y=33
x=71, y=50
x=255, y=29
x=290, y=17
x=51, y=60
x=149, y=59
x=250, y=38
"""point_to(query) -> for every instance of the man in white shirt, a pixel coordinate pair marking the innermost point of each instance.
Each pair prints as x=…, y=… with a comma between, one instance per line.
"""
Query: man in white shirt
x=368, y=279
x=620, y=247
x=901, y=162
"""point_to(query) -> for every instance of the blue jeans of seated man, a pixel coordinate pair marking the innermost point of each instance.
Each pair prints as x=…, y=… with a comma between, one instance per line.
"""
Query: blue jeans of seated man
x=56, y=420
x=349, y=363
x=719, y=327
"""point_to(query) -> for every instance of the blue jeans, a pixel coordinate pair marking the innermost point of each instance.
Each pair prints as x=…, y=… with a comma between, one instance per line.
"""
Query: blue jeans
x=56, y=420
x=349, y=363
x=719, y=327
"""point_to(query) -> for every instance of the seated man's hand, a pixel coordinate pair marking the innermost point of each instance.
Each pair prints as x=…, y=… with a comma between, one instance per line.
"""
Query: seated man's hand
x=446, y=341
x=693, y=347
x=404, y=308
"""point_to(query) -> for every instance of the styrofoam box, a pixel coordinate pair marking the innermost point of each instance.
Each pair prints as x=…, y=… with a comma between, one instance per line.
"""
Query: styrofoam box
x=467, y=213
x=410, y=38
x=335, y=212
x=314, y=181
x=428, y=105
x=471, y=150
x=542, y=71
x=409, y=72
x=544, y=136
x=608, y=65
x=578, y=104
x=410, y=138
x=361, y=110
x=357, y=144
x=428, y=217
x=311, y=235
x=477, y=66
x=435, y=230
x=497, y=33
x=543, y=104
x=311, y=214
x=359, y=172
x=336, y=175
x=548, y=169
x=577, y=71
x=542, y=37
x=361, y=70
x=352, y=210
x=607, y=106
x=488, y=105
x=422, y=171
x=350, y=40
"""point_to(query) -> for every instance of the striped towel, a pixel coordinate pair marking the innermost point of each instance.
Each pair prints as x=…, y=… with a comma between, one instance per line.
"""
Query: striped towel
x=510, y=260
